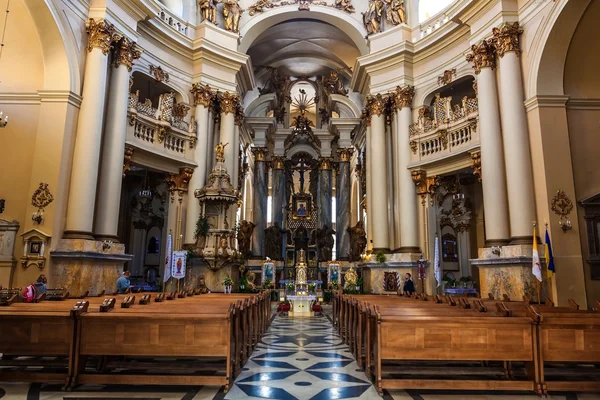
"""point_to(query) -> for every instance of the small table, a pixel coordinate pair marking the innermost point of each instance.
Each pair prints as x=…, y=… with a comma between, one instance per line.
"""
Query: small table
x=301, y=305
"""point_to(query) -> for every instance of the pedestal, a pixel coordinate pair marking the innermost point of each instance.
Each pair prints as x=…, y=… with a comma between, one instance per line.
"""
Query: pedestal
x=301, y=306
x=81, y=265
x=214, y=279
x=401, y=263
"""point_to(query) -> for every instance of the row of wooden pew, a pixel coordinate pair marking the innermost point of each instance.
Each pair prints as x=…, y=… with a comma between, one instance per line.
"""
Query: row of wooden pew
x=174, y=339
x=433, y=342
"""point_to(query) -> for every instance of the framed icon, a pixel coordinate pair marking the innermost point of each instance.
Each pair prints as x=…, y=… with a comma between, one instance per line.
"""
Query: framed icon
x=301, y=206
x=35, y=247
x=268, y=271
x=333, y=272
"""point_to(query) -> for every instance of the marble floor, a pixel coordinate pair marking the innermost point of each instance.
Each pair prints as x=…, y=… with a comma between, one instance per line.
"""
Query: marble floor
x=298, y=358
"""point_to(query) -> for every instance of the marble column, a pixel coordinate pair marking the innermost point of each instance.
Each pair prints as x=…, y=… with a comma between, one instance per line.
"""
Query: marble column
x=278, y=189
x=409, y=219
x=343, y=196
x=110, y=180
x=82, y=190
x=203, y=96
x=260, y=201
x=229, y=103
x=379, y=187
x=492, y=157
x=515, y=134
x=325, y=192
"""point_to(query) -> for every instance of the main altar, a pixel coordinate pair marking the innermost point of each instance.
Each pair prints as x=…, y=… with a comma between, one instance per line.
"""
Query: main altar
x=300, y=298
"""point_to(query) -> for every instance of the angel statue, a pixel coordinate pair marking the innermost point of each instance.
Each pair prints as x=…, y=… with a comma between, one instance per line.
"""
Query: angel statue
x=220, y=151
x=208, y=10
x=231, y=14
x=395, y=12
x=372, y=17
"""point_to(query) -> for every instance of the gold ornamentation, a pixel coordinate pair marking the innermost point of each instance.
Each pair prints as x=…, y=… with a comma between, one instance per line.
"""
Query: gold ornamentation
x=208, y=10
x=161, y=134
x=414, y=146
x=159, y=74
x=506, y=38
x=433, y=183
x=443, y=136
x=419, y=178
x=483, y=55
x=179, y=182
x=350, y=277
x=220, y=152
x=278, y=162
x=476, y=164
x=166, y=102
x=372, y=17
x=447, y=77
x=344, y=155
x=228, y=102
x=263, y=5
x=404, y=96
x=127, y=156
x=260, y=153
x=203, y=94
x=333, y=84
x=125, y=54
x=395, y=13
x=180, y=110
x=325, y=163
x=376, y=104
x=561, y=204
x=231, y=14
x=101, y=34
x=344, y=5
x=42, y=197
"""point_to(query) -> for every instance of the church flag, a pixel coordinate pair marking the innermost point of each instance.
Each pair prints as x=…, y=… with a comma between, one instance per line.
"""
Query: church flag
x=436, y=262
x=168, y=258
x=549, y=256
x=536, y=266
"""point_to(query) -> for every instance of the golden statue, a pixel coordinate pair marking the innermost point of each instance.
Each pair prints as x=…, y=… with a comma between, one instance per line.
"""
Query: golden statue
x=231, y=14
x=395, y=12
x=301, y=269
x=208, y=10
x=344, y=5
x=372, y=17
x=220, y=151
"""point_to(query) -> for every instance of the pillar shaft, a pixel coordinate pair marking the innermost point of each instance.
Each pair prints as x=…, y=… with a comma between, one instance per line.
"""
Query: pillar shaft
x=82, y=190
x=379, y=187
x=342, y=219
x=369, y=196
x=278, y=190
x=325, y=192
x=260, y=201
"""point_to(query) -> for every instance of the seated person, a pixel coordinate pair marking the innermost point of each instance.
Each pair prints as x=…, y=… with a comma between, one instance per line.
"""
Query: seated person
x=123, y=283
x=40, y=284
x=409, y=286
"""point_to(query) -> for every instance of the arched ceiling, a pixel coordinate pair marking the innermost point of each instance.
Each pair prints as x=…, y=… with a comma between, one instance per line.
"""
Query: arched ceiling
x=303, y=47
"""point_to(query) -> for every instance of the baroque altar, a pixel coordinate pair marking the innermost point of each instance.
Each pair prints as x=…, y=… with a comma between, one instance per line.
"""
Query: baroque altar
x=301, y=299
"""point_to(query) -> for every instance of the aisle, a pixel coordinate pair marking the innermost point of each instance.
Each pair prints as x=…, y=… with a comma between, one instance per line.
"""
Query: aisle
x=302, y=358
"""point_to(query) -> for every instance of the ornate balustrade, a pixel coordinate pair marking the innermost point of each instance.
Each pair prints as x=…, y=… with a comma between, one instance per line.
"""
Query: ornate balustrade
x=443, y=130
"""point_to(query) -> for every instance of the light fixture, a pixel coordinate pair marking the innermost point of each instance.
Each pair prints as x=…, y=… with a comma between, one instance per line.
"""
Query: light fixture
x=459, y=195
x=4, y=122
x=146, y=192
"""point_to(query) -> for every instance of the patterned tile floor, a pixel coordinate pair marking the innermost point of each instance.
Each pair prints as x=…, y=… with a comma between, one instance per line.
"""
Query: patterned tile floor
x=299, y=358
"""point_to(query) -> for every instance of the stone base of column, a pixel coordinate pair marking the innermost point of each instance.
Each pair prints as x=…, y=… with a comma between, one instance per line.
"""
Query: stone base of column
x=408, y=249
x=113, y=238
x=78, y=235
x=517, y=240
x=213, y=279
x=496, y=242
x=81, y=266
x=385, y=250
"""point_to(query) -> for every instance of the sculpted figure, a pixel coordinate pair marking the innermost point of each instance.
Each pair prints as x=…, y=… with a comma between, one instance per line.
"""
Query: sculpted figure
x=231, y=14
x=333, y=84
x=208, y=10
x=372, y=17
x=244, y=236
x=220, y=151
x=273, y=241
x=358, y=240
x=325, y=242
x=344, y=5
x=395, y=12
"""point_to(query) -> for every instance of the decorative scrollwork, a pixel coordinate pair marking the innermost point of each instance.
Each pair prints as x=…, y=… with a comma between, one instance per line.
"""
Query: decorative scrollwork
x=42, y=197
x=561, y=204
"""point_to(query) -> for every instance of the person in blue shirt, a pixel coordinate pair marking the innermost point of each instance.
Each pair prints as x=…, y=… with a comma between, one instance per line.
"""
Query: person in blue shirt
x=40, y=284
x=123, y=283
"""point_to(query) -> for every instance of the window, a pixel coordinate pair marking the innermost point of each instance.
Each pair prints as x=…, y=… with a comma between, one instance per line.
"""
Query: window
x=428, y=8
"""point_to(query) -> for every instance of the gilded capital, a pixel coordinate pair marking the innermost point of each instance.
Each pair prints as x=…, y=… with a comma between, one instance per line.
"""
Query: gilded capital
x=101, y=34
x=483, y=55
x=325, y=163
x=419, y=178
x=376, y=104
x=404, y=96
x=506, y=38
x=229, y=102
x=260, y=153
x=203, y=94
x=179, y=182
x=126, y=53
x=278, y=162
x=344, y=155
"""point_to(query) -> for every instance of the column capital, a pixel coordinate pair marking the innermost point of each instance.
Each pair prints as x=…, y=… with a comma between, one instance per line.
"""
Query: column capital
x=403, y=96
x=426, y=185
x=278, y=162
x=345, y=154
x=325, y=163
x=179, y=182
x=101, y=34
x=483, y=55
x=260, y=153
x=126, y=53
x=376, y=104
x=229, y=102
x=203, y=95
x=506, y=38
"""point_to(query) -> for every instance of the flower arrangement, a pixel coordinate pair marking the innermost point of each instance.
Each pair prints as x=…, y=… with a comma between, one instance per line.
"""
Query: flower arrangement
x=334, y=284
x=311, y=288
x=227, y=281
x=381, y=257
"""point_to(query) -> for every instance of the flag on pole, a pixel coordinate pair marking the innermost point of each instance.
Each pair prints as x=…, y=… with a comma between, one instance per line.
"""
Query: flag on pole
x=536, y=266
x=548, y=256
x=168, y=258
x=436, y=262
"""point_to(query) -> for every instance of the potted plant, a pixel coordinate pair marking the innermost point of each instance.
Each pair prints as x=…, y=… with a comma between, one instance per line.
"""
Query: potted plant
x=228, y=284
x=381, y=257
x=467, y=281
x=448, y=282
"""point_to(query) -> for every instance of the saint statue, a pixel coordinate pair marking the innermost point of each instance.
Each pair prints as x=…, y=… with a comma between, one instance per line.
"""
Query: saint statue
x=333, y=84
x=208, y=10
x=220, y=151
x=325, y=242
x=244, y=236
x=395, y=12
x=273, y=241
x=231, y=14
x=344, y=5
x=358, y=241
x=372, y=17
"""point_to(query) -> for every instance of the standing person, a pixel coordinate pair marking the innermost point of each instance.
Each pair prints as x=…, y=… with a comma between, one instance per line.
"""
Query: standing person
x=123, y=283
x=409, y=286
x=40, y=284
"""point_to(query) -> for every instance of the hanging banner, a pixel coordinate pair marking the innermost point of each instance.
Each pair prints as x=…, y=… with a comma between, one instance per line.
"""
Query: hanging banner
x=178, y=264
x=168, y=258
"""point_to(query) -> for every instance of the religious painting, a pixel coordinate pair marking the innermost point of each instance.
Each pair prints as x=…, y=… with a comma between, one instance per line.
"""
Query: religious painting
x=449, y=248
x=268, y=271
x=302, y=204
x=390, y=281
x=333, y=272
x=35, y=247
x=178, y=265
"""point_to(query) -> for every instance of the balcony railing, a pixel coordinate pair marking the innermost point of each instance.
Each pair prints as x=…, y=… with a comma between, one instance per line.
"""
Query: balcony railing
x=443, y=129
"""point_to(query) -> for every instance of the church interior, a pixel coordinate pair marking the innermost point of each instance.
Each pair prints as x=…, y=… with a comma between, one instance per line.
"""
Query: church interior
x=299, y=199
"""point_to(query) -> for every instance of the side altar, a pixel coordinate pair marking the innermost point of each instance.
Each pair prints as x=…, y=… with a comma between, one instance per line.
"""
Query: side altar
x=301, y=299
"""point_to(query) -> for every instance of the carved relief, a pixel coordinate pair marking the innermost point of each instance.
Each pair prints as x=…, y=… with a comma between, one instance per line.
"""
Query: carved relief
x=159, y=74
x=232, y=13
x=203, y=94
x=228, y=102
x=263, y=5
x=376, y=104
x=208, y=10
x=127, y=156
x=179, y=182
x=404, y=96
x=101, y=34
x=506, y=38
x=483, y=55
x=447, y=77
x=125, y=54
x=42, y=197
x=561, y=204
x=476, y=165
